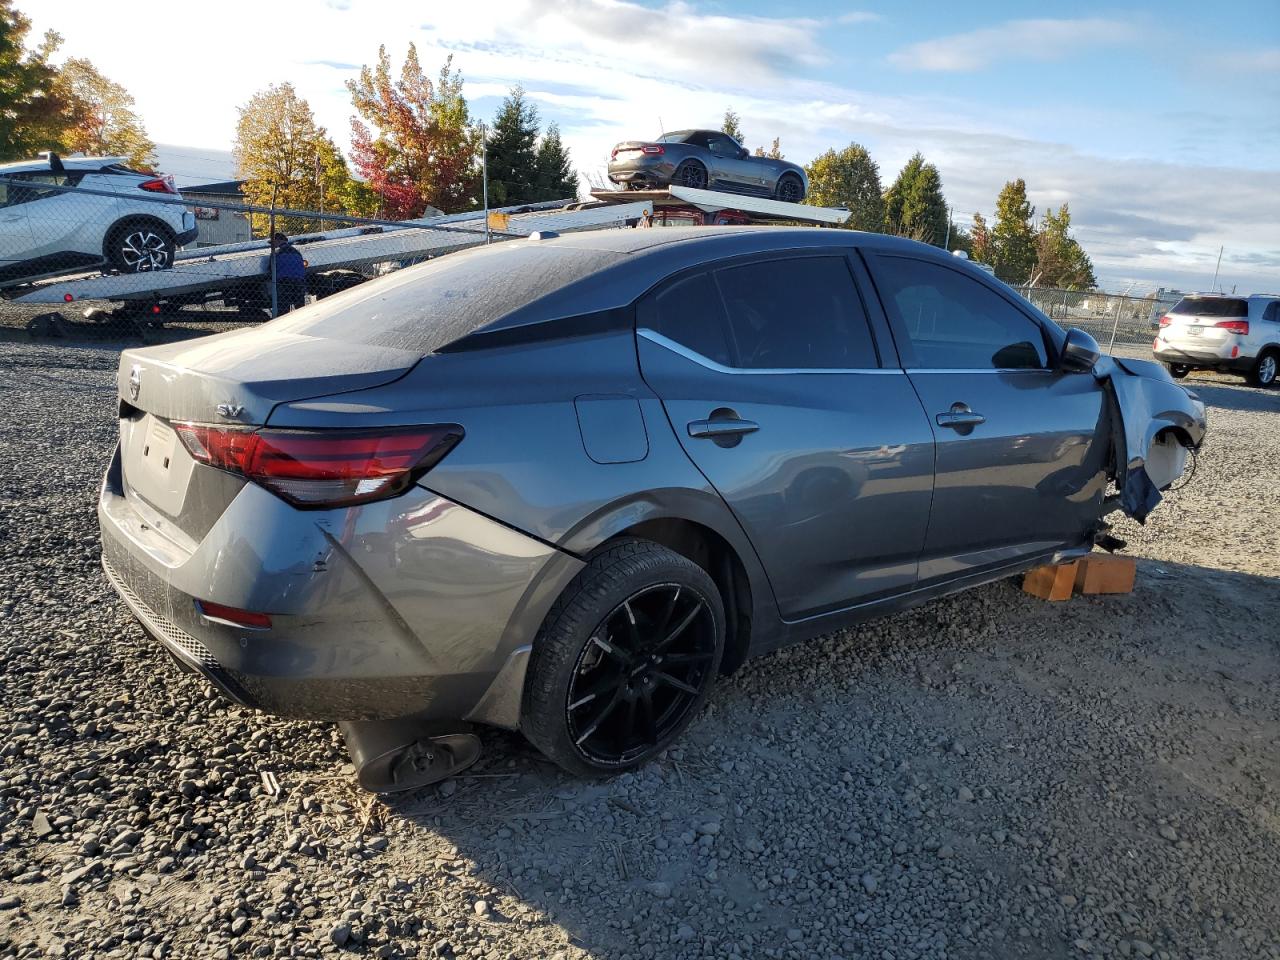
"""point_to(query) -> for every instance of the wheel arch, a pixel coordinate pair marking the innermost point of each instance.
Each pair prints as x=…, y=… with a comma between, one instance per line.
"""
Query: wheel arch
x=698, y=527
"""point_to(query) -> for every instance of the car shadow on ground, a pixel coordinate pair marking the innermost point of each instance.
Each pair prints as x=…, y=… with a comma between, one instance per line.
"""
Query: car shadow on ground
x=949, y=765
x=1219, y=393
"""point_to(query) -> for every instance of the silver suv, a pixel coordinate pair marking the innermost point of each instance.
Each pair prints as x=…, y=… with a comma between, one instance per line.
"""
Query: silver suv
x=1210, y=331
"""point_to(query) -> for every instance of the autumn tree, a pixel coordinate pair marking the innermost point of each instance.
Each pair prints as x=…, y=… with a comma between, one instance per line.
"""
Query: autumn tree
x=1013, y=236
x=280, y=147
x=914, y=206
x=848, y=178
x=732, y=125
x=1060, y=260
x=102, y=120
x=980, y=240
x=556, y=179
x=32, y=112
x=513, y=151
x=774, y=152
x=412, y=140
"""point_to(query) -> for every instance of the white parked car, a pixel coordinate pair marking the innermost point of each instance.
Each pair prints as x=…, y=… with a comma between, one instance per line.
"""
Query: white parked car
x=105, y=220
x=1213, y=331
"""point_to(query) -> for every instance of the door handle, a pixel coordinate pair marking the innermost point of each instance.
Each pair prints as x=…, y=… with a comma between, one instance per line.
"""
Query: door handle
x=722, y=428
x=960, y=417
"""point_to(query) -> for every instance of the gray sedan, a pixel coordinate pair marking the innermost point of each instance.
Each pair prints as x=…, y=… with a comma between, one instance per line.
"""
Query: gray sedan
x=705, y=160
x=559, y=485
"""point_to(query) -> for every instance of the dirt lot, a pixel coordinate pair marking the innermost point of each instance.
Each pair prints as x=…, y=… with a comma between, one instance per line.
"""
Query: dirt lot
x=986, y=776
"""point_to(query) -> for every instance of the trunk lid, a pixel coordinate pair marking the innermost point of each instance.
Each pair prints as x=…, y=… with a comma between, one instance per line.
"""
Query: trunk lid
x=239, y=377
x=231, y=379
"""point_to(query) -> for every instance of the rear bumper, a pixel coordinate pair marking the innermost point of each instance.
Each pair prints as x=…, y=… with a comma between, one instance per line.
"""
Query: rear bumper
x=1202, y=358
x=415, y=606
x=650, y=171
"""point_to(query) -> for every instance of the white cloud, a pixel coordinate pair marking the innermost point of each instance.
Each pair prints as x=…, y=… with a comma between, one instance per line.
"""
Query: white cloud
x=860, y=16
x=1036, y=40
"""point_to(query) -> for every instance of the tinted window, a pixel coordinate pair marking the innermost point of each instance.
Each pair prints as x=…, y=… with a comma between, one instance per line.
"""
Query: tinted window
x=689, y=312
x=801, y=313
x=723, y=146
x=1212, y=307
x=1272, y=312
x=956, y=322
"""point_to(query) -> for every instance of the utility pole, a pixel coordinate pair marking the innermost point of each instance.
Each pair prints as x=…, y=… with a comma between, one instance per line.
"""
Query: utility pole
x=484, y=176
x=946, y=244
x=1216, y=269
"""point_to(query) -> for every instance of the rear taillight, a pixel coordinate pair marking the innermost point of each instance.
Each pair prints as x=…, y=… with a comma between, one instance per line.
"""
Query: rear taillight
x=1234, y=326
x=652, y=148
x=1166, y=320
x=613, y=154
x=323, y=468
x=158, y=185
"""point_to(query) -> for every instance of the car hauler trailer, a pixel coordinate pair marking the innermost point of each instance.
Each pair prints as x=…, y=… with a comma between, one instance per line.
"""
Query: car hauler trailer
x=687, y=206
x=213, y=273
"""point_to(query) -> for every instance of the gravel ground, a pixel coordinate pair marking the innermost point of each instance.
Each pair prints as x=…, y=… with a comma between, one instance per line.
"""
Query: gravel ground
x=986, y=776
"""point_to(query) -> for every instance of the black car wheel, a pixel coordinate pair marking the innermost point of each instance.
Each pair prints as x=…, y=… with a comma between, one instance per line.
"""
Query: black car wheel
x=790, y=188
x=1177, y=370
x=690, y=174
x=625, y=660
x=141, y=246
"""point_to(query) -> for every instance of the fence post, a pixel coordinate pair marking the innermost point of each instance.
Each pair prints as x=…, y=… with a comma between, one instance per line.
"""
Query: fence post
x=1115, y=326
x=271, y=239
x=1064, y=304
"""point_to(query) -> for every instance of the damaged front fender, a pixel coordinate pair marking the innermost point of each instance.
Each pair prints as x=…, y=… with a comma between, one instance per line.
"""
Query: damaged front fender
x=1154, y=422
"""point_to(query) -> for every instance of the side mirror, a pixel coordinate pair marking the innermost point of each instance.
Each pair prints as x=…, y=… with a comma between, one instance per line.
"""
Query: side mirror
x=1079, y=352
x=743, y=153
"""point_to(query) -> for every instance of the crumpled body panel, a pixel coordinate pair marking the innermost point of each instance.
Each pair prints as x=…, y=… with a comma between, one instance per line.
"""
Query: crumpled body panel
x=1144, y=403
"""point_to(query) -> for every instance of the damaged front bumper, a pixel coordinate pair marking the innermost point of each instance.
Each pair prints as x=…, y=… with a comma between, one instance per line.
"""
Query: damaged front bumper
x=1154, y=424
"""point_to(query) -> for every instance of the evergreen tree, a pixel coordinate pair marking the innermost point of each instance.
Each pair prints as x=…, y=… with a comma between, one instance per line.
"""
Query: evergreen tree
x=32, y=112
x=1060, y=260
x=102, y=119
x=732, y=125
x=556, y=178
x=850, y=179
x=513, y=154
x=914, y=206
x=1013, y=237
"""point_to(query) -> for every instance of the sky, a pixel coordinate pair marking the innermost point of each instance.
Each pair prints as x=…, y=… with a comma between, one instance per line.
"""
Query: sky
x=1159, y=124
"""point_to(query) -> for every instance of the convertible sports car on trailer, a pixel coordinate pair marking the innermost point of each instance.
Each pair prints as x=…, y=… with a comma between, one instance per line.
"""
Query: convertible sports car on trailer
x=704, y=160
x=561, y=484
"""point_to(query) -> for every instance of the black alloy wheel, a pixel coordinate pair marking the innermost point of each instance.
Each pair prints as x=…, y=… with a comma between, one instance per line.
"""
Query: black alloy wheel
x=790, y=189
x=645, y=667
x=690, y=174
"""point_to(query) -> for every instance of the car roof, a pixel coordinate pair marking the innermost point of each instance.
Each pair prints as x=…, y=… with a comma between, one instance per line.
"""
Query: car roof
x=630, y=262
x=68, y=163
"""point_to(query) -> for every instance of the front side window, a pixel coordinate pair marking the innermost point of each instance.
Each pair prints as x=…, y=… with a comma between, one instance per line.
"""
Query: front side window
x=952, y=321
x=723, y=146
x=797, y=313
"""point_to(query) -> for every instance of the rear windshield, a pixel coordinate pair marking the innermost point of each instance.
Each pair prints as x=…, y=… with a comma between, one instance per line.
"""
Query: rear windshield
x=1212, y=307
x=429, y=306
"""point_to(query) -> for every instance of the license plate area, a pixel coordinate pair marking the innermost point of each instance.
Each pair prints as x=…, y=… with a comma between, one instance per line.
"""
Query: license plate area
x=156, y=465
x=1194, y=331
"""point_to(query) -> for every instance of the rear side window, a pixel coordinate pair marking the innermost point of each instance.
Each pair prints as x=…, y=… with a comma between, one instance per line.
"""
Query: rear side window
x=690, y=313
x=956, y=322
x=799, y=313
x=1212, y=307
x=1272, y=312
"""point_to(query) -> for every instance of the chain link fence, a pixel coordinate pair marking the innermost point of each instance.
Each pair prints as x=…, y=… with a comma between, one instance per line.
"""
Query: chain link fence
x=1112, y=319
x=87, y=244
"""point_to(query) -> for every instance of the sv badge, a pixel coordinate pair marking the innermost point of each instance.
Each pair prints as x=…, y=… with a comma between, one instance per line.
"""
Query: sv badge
x=230, y=411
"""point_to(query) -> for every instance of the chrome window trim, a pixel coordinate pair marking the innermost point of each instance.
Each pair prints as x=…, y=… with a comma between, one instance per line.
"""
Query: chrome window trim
x=654, y=337
x=915, y=370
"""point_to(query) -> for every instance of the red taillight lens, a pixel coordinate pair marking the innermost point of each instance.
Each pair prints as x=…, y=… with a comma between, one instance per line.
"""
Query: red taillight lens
x=1235, y=326
x=323, y=468
x=234, y=615
x=1166, y=320
x=159, y=185
x=613, y=154
x=652, y=148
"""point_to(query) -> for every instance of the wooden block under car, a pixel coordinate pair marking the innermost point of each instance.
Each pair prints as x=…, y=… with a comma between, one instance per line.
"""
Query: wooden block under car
x=1105, y=573
x=1052, y=582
